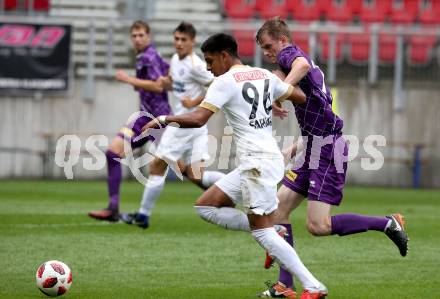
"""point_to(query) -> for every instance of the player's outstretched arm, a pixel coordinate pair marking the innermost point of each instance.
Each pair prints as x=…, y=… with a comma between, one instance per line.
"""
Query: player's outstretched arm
x=300, y=68
x=195, y=119
x=148, y=85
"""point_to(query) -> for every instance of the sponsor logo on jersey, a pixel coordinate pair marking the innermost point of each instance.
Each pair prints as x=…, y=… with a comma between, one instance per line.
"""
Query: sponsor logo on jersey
x=291, y=175
x=249, y=76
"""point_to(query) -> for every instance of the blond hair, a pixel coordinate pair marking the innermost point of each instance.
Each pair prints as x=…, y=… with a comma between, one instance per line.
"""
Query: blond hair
x=275, y=28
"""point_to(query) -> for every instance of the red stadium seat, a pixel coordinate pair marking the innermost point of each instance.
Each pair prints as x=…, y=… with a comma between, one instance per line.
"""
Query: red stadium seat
x=374, y=11
x=272, y=8
x=324, y=40
x=403, y=11
x=301, y=39
x=340, y=11
x=10, y=4
x=306, y=10
x=429, y=12
x=246, y=42
x=239, y=9
x=420, y=49
x=359, y=48
x=355, y=6
x=39, y=5
x=387, y=48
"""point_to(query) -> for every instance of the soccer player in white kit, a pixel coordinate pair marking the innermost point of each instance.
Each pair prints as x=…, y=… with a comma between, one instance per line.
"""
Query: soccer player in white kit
x=245, y=94
x=188, y=78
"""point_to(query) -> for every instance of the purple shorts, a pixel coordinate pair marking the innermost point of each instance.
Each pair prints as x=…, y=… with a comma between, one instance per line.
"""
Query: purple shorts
x=134, y=128
x=319, y=173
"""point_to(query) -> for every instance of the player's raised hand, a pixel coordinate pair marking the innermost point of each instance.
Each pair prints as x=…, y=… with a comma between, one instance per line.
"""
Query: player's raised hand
x=165, y=82
x=187, y=102
x=278, y=110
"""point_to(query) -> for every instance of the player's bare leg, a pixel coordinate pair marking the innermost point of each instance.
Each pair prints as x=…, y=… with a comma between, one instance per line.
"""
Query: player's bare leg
x=194, y=172
x=114, y=152
x=203, y=178
x=321, y=223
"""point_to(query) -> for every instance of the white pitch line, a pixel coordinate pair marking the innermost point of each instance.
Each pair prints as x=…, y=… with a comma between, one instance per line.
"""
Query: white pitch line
x=36, y=225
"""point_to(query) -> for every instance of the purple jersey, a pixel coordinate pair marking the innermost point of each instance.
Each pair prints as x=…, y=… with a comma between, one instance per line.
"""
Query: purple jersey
x=150, y=66
x=315, y=117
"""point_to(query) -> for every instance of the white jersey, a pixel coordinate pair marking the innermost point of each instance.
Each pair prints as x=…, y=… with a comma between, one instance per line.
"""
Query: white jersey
x=190, y=77
x=245, y=94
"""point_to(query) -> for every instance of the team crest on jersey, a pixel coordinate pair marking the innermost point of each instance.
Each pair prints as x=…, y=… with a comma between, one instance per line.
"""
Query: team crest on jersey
x=181, y=72
x=178, y=86
x=291, y=176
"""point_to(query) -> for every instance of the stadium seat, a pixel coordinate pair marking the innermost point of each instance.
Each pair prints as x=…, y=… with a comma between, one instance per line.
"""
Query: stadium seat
x=39, y=5
x=324, y=41
x=340, y=10
x=306, y=10
x=374, y=11
x=301, y=39
x=272, y=8
x=387, y=48
x=429, y=12
x=420, y=49
x=359, y=48
x=246, y=42
x=10, y=4
x=239, y=9
x=403, y=11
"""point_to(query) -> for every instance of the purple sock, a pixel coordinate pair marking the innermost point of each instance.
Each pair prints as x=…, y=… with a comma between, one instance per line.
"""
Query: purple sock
x=285, y=277
x=113, y=179
x=347, y=224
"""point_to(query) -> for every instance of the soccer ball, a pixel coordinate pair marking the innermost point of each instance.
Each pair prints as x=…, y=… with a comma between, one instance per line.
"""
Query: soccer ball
x=54, y=278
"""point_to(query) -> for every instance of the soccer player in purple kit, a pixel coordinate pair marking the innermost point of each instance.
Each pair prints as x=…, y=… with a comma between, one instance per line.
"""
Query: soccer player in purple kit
x=150, y=67
x=319, y=178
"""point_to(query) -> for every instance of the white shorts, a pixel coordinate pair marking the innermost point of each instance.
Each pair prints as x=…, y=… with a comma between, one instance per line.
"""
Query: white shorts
x=191, y=145
x=253, y=184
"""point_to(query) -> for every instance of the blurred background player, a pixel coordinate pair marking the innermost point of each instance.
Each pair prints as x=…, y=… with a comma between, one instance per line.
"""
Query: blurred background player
x=153, y=99
x=189, y=77
x=322, y=186
x=245, y=95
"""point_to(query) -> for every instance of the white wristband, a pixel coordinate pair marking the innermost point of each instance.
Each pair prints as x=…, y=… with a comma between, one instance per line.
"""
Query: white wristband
x=162, y=119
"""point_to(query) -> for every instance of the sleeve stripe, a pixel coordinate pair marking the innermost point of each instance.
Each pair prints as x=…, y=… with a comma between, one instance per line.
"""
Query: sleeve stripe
x=209, y=106
x=287, y=94
x=127, y=132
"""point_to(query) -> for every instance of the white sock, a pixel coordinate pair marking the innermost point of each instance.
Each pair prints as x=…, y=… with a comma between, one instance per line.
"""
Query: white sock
x=210, y=177
x=285, y=256
x=229, y=218
x=153, y=188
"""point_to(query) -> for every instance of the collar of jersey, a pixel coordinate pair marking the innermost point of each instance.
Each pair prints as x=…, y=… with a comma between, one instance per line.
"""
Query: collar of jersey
x=239, y=66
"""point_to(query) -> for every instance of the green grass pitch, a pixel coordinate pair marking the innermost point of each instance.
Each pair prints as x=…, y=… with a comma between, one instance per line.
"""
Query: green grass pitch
x=181, y=256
